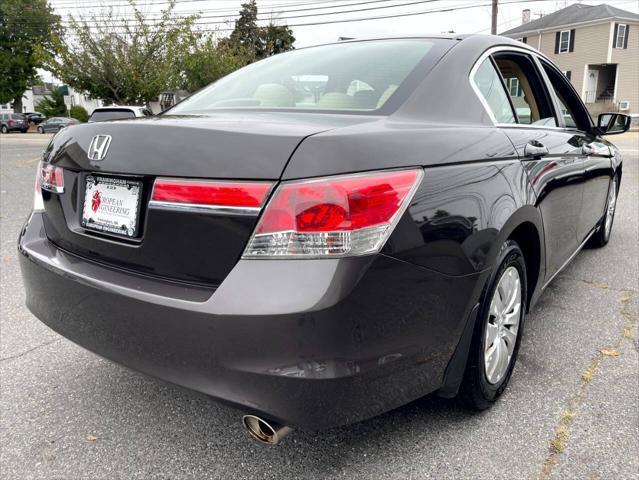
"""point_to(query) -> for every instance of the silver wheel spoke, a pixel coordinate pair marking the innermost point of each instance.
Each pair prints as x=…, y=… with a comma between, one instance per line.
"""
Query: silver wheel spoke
x=502, y=325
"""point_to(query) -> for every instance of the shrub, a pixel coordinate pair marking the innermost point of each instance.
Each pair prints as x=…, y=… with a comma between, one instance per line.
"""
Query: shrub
x=79, y=113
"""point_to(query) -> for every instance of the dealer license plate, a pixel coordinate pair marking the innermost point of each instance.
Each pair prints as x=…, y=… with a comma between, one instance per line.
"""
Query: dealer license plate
x=112, y=205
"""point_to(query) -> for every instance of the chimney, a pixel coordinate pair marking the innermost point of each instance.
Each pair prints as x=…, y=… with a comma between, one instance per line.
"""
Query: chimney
x=525, y=16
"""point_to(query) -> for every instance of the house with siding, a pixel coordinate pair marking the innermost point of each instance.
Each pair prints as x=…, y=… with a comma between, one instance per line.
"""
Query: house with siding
x=596, y=46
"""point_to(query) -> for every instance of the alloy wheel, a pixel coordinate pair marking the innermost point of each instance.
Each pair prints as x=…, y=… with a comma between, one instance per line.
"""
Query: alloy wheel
x=502, y=326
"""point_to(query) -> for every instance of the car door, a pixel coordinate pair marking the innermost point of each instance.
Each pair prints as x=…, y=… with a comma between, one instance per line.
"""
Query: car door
x=552, y=156
x=52, y=125
x=597, y=156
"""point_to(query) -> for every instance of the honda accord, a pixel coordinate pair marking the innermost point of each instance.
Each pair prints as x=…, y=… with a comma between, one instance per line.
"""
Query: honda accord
x=329, y=233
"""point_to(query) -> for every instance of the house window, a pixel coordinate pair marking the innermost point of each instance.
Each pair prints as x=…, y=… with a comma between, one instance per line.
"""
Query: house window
x=513, y=87
x=568, y=74
x=564, y=41
x=620, y=38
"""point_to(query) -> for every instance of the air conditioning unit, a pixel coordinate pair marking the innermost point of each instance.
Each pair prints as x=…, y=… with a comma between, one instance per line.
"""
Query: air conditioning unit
x=625, y=105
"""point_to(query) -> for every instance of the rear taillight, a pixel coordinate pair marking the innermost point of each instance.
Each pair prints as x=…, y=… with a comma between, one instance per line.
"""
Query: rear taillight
x=10, y=122
x=50, y=178
x=219, y=196
x=334, y=216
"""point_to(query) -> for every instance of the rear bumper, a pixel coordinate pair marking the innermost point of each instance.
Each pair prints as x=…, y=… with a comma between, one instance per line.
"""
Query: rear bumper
x=309, y=343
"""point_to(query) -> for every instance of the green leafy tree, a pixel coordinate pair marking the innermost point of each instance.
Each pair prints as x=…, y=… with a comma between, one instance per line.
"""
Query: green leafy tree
x=125, y=61
x=210, y=61
x=28, y=32
x=261, y=42
x=247, y=34
x=53, y=105
x=276, y=39
x=79, y=113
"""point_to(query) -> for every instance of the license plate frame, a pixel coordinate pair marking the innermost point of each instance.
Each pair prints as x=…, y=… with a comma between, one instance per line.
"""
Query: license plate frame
x=118, y=201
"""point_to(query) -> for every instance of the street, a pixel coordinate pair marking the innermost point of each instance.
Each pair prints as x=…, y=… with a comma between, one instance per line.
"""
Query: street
x=571, y=409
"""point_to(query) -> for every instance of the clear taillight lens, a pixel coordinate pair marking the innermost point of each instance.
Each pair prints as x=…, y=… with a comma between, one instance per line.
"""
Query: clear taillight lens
x=333, y=217
x=50, y=178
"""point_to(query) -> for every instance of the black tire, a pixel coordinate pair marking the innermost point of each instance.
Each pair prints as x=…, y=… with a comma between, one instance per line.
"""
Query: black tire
x=602, y=235
x=476, y=391
x=41, y=130
x=5, y=129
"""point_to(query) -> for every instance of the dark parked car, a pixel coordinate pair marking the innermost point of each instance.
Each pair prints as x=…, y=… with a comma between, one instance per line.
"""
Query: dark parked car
x=318, y=256
x=55, y=124
x=13, y=122
x=35, y=118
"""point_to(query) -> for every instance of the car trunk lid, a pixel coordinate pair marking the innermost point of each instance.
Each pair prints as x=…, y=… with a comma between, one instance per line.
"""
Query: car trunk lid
x=188, y=245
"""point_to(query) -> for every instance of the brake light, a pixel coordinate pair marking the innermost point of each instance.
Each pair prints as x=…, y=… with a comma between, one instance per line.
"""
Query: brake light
x=334, y=216
x=10, y=122
x=232, y=196
x=50, y=178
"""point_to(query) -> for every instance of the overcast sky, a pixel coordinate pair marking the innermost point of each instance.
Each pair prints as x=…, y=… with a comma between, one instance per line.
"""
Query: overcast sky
x=218, y=14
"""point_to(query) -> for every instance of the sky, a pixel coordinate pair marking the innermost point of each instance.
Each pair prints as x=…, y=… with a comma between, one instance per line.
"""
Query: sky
x=471, y=16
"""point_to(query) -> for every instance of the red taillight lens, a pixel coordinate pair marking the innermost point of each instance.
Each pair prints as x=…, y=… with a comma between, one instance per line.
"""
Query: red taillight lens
x=50, y=177
x=238, y=195
x=10, y=122
x=346, y=215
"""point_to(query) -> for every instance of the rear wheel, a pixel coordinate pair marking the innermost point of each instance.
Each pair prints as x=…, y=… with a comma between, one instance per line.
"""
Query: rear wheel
x=602, y=236
x=40, y=130
x=5, y=129
x=495, y=344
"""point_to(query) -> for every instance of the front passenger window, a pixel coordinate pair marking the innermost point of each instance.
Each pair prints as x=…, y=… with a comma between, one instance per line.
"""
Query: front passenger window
x=526, y=90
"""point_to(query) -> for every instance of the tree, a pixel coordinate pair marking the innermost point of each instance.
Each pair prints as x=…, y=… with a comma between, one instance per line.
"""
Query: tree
x=210, y=61
x=125, y=61
x=276, y=39
x=53, y=105
x=28, y=29
x=79, y=113
x=246, y=33
x=262, y=42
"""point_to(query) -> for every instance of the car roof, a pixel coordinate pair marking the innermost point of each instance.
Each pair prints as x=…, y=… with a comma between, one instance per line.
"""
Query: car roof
x=121, y=107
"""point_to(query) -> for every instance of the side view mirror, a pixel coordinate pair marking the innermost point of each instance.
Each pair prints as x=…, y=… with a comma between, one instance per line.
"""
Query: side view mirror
x=613, y=123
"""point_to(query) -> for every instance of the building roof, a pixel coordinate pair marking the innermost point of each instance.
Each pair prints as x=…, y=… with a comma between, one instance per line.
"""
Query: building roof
x=574, y=14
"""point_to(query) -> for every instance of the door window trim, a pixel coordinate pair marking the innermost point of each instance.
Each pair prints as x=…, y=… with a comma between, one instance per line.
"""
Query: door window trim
x=535, y=57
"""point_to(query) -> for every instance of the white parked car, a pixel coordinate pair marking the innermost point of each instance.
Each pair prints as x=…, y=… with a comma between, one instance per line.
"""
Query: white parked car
x=102, y=114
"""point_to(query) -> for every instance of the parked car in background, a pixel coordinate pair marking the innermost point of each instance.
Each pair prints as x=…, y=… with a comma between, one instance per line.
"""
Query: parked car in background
x=13, y=122
x=35, y=118
x=55, y=124
x=317, y=259
x=103, y=114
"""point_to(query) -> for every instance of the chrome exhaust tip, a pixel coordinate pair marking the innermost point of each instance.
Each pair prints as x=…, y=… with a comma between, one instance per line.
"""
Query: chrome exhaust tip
x=264, y=431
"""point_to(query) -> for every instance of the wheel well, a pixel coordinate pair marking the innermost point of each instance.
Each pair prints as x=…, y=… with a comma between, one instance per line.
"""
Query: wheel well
x=527, y=237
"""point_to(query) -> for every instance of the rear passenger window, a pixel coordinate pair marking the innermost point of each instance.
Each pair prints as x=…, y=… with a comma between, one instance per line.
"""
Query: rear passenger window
x=492, y=90
x=526, y=89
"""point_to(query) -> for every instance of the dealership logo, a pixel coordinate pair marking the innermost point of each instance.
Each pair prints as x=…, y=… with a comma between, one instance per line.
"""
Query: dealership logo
x=95, y=201
x=99, y=147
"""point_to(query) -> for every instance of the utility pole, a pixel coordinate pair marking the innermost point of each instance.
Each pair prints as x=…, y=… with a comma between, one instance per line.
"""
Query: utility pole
x=493, y=23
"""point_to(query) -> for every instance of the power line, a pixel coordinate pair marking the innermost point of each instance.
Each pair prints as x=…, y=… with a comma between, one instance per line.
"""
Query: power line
x=123, y=22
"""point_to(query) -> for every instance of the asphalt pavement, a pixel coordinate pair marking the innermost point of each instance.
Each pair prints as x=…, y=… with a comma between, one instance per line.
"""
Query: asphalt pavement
x=571, y=409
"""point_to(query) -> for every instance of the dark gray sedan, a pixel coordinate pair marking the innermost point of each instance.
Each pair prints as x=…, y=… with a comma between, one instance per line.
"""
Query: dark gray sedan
x=55, y=124
x=329, y=233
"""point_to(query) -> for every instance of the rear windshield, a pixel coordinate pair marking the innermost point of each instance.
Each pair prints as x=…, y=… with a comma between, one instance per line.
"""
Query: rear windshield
x=111, y=114
x=18, y=116
x=350, y=77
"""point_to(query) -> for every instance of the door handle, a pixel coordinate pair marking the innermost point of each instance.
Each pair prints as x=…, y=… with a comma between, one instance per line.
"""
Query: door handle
x=590, y=149
x=535, y=149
